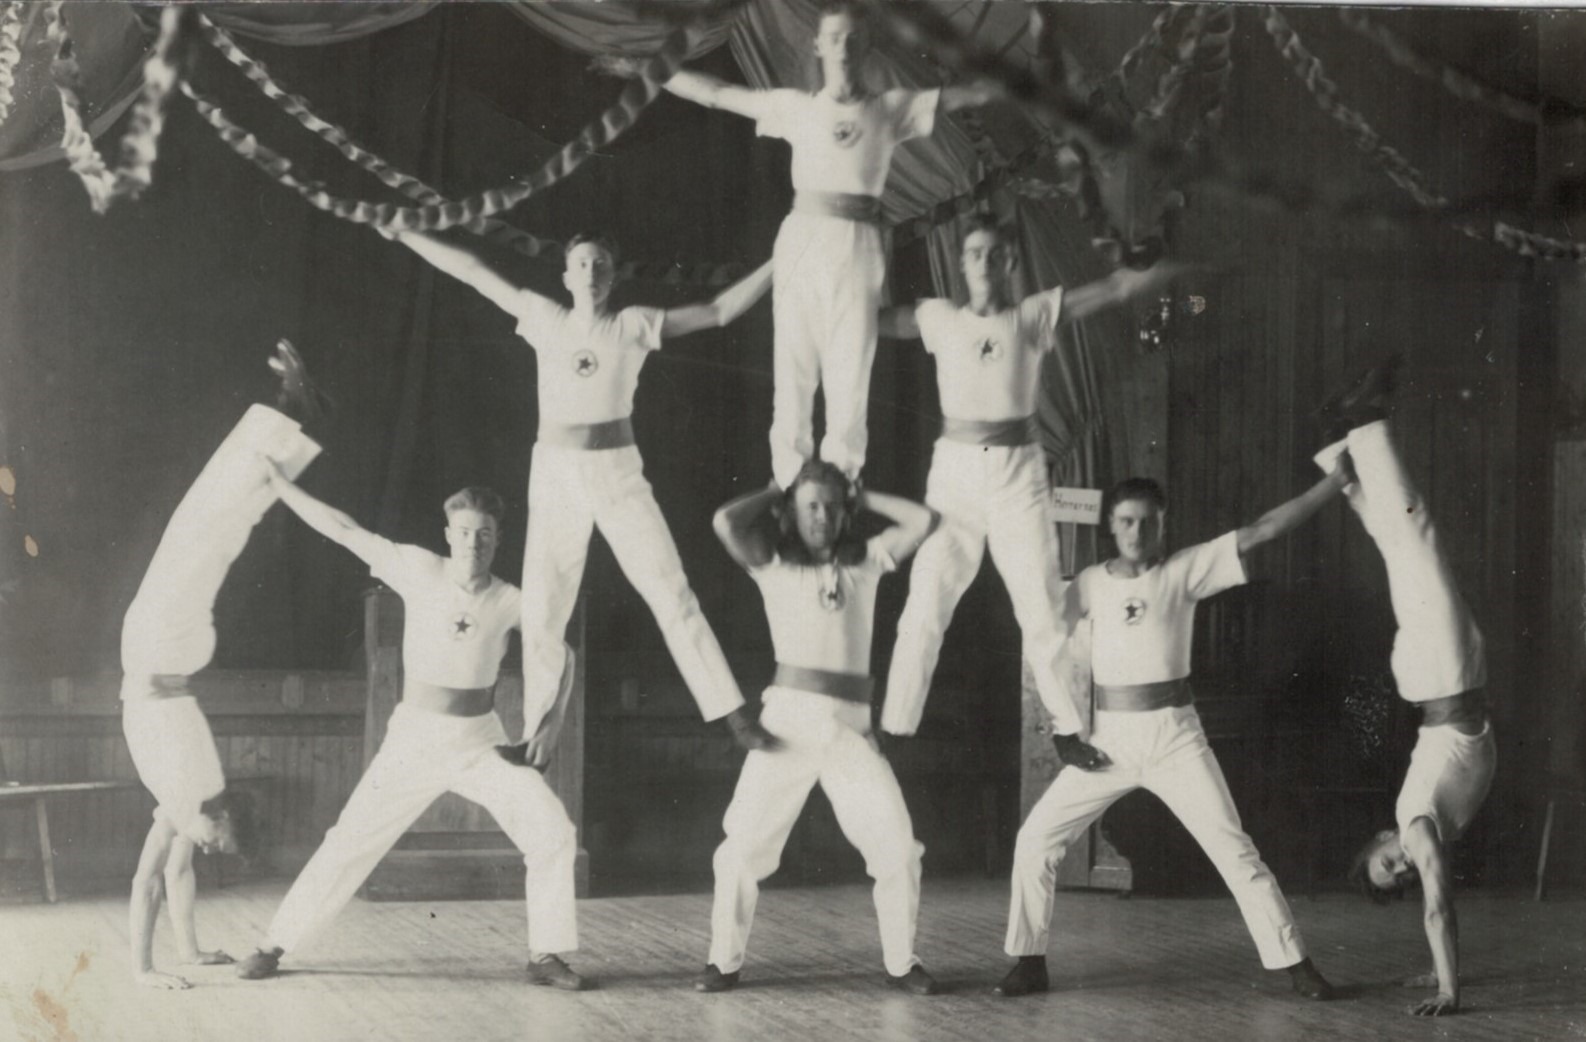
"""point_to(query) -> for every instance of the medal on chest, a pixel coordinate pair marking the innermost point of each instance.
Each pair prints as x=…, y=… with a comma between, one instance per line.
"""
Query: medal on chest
x=988, y=350
x=846, y=133
x=585, y=363
x=1133, y=611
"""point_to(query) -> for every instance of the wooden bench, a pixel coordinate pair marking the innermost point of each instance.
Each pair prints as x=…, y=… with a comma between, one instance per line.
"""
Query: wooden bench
x=38, y=793
x=15, y=794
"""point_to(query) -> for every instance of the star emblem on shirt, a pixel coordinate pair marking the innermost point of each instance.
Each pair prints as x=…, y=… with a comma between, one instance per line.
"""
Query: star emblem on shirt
x=462, y=626
x=846, y=133
x=585, y=363
x=989, y=350
x=1133, y=611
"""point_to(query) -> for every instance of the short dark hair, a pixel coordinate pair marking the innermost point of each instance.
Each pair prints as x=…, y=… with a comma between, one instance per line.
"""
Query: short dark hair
x=605, y=242
x=988, y=222
x=476, y=497
x=1132, y=488
x=237, y=806
x=827, y=8
x=1359, y=876
x=850, y=549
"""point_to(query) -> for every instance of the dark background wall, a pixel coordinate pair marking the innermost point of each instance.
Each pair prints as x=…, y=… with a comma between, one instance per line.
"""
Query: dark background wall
x=130, y=342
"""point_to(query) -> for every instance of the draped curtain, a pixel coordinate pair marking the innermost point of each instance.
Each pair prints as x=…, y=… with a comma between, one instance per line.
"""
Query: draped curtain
x=770, y=41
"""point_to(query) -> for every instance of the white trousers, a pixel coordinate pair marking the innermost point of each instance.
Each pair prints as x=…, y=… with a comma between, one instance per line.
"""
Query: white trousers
x=424, y=755
x=1165, y=752
x=829, y=273
x=170, y=625
x=994, y=496
x=173, y=751
x=827, y=741
x=1438, y=650
x=571, y=491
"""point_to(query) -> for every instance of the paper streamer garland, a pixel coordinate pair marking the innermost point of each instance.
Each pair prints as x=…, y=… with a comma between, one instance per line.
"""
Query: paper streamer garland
x=636, y=95
x=1460, y=84
x=140, y=145
x=1393, y=164
x=496, y=231
x=10, y=54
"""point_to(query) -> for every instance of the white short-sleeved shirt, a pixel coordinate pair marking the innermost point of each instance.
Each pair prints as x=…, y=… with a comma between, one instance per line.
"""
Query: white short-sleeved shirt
x=845, y=146
x=588, y=370
x=1141, y=628
x=988, y=367
x=450, y=637
x=822, y=615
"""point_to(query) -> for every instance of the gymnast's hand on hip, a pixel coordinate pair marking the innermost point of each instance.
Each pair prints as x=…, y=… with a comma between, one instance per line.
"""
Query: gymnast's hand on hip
x=1074, y=751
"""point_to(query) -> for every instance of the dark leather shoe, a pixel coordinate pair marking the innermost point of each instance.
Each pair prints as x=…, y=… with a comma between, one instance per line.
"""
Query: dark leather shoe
x=713, y=980
x=915, y=982
x=260, y=964
x=555, y=973
x=1309, y=982
x=1027, y=977
x=1364, y=400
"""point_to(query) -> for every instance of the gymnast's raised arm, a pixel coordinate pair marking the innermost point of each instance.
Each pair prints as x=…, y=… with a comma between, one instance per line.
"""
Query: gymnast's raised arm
x=728, y=305
x=464, y=266
x=323, y=518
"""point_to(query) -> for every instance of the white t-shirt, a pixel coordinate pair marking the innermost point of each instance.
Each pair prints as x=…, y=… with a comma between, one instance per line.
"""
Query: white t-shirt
x=988, y=367
x=588, y=371
x=845, y=147
x=450, y=637
x=1141, y=628
x=822, y=615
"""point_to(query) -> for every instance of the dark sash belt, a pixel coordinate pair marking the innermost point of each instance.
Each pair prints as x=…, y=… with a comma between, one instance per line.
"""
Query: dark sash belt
x=166, y=685
x=1140, y=698
x=1000, y=433
x=839, y=204
x=610, y=434
x=850, y=687
x=1467, y=707
x=446, y=700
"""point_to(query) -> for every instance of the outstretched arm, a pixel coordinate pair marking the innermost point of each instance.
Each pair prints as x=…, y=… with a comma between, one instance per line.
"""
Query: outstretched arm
x=1122, y=285
x=462, y=265
x=911, y=523
x=728, y=305
x=971, y=95
x=1282, y=519
x=898, y=323
x=704, y=89
x=181, y=892
x=746, y=527
x=321, y=517
x=1442, y=926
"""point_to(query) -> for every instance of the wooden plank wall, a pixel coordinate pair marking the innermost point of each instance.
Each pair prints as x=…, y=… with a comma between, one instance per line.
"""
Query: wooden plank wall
x=302, y=730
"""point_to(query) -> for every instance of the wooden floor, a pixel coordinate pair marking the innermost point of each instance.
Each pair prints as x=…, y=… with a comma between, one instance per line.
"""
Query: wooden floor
x=1142, y=968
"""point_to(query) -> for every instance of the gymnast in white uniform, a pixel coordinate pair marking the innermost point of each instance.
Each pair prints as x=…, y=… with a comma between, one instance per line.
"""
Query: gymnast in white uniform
x=988, y=478
x=829, y=255
x=818, y=582
x=442, y=737
x=1140, y=607
x=587, y=473
x=1439, y=664
x=168, y=634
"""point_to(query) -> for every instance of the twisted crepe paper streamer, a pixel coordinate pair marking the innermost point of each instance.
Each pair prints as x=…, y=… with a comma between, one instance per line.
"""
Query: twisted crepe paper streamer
x=636, y=95
x=1460, y=84
x=10, y=54
x=1393, y=164
x=432, y=202
x=139, y=147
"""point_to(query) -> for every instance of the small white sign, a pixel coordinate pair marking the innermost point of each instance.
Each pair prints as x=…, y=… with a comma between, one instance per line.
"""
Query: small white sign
x=1080, y=505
